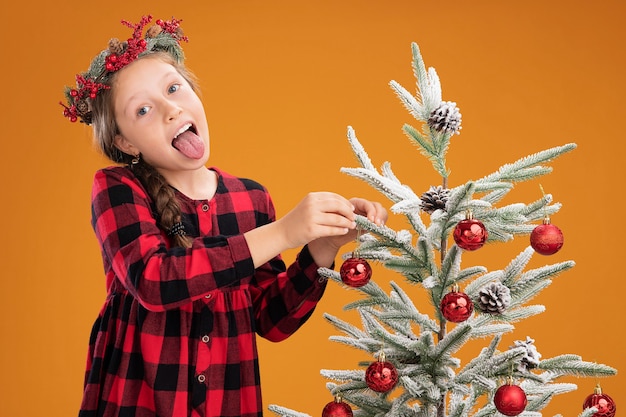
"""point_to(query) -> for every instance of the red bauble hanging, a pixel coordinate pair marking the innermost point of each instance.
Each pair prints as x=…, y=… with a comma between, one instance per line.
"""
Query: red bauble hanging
x=510, y=399
x=355, y=272
x=337, y=408
x=456, y=306
x=470, y=234
x=381, y=376
x=604, y=403
x=546, y=239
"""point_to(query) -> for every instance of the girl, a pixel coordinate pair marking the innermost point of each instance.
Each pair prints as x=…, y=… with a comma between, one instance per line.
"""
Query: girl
x=191, y=254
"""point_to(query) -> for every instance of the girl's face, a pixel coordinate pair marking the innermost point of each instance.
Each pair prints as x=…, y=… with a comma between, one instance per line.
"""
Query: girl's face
x=160, y=116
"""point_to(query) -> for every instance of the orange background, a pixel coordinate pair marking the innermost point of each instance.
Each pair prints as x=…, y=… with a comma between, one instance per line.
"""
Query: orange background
x=281, y=81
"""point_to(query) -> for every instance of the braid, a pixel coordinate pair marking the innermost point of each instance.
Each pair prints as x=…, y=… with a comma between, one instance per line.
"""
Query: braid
x=168, y=210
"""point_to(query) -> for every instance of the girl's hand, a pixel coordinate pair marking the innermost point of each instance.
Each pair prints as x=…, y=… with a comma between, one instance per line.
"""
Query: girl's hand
x=318, y=215
x=324, y=221
x=373, y=211
x=325, y=249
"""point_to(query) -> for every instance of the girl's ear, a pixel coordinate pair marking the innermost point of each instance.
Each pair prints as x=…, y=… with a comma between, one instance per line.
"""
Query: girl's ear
x=125, y=146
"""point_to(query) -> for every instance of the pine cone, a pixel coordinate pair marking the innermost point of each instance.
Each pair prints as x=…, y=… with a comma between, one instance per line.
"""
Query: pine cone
x=434, y=199
x=115, y=46
x=82, y=107
x=531, y=357
x=494, y=298
x=153, y=31
x=87, y=118
x=179, y=34
x=446, y=118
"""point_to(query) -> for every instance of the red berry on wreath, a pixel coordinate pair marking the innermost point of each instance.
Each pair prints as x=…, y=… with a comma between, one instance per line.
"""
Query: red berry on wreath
x=470, y=234
x=355, y=272
x=546, y=239
x=456, y=306
x=381, y=376
x=510, y=399
x=337, y=408
x=604, y=403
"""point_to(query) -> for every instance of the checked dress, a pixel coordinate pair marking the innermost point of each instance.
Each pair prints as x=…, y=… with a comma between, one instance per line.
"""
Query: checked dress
x=176, y=334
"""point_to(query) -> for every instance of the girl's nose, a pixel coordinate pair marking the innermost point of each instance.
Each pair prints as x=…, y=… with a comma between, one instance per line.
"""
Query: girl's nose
x=173, y=111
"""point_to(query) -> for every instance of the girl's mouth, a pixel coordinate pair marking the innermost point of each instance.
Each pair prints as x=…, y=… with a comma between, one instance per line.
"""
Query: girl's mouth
x=187, y=142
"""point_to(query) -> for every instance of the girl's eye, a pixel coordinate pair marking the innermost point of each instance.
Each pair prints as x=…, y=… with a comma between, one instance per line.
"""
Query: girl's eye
x=173, y=88
x=143, y=111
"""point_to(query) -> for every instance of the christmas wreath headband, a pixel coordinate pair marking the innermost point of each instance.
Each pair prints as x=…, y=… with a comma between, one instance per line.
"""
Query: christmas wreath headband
x=165, y=36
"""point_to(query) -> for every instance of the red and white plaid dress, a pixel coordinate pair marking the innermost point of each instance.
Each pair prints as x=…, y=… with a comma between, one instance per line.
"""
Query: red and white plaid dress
x=176, y=334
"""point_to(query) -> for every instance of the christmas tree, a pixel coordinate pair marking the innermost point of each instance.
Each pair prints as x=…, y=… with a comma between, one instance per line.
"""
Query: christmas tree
x=414, y=371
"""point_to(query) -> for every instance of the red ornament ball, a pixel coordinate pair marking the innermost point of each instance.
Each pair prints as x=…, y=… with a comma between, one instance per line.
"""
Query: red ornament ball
x=470, y=234
x=546, y=239
x=510, y=400
x=456, y=306
x=604, y=403
x=381, y=376
x=337, y=408
x=355, y=272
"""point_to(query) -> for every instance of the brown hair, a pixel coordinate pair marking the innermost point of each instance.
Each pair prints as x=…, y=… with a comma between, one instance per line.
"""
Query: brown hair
x=105, y=129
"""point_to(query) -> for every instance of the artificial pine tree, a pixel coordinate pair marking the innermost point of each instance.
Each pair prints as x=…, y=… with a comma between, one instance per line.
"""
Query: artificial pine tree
x=413, y=371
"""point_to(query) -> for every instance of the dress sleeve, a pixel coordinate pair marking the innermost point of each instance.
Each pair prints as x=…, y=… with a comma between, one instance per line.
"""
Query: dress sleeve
x=136, y=252
x=283, y=298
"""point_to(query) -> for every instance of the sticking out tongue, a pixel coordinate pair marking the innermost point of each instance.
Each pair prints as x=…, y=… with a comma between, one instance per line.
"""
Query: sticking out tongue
x=189, y=144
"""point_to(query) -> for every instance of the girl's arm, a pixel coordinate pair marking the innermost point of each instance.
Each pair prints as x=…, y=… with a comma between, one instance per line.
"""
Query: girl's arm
x=283, y=301
x=136, y=252
x=318, y=215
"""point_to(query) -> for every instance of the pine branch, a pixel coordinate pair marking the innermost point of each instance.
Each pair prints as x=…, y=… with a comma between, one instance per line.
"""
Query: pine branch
x=469, y=273
x=411, y=103
x=522, y=169
x=285, y=412
x=540, y=402
x=568, y=365
x=531, y=290
x=451, y=266
x=400, y=408
x=377, y=181
x=400, y=241
x=530, y=283
x=485, y=353
x=589, y=412
x=428, y=84
x=368, y=405
x=521, y=313
x=473, y=287
x=516, y=266
x=423, y=389
x=491, y=330
x=459, y=197
x=398, y=307
x=425, y=146
x=433, y=147
x=497, y=194
x=536, y=388
x=343, y=375
x=367, y=345
x=490, y=365
x=359, y=151
x=345, y=327
x=452, y=342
